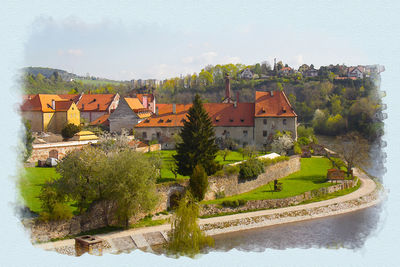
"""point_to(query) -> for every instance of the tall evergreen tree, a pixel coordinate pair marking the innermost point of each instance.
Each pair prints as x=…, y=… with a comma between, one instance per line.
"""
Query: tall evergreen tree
x=198, y=142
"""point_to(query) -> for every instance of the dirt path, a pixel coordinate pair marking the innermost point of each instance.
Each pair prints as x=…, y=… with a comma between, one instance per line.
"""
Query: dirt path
x=366, y=188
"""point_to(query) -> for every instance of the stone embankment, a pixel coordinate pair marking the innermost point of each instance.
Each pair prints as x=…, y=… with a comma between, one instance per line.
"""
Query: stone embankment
x=144, y=238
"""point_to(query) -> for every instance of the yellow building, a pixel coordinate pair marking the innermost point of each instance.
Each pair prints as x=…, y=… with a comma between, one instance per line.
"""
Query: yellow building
x=49, y=113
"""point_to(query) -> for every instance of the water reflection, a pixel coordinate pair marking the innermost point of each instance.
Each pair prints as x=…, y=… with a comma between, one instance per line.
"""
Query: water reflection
x=348, y=230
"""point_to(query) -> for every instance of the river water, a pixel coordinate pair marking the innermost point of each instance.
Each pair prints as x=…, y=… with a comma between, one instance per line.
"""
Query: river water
x=341, y=231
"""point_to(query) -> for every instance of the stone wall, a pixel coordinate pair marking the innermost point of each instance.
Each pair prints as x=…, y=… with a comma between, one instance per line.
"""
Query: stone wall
x=42, y=151
x=278, y=203
x=232, y=185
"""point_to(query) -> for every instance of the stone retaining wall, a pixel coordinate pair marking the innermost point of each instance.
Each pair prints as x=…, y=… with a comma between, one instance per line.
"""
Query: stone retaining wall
x=232, y=185
x=278, y=203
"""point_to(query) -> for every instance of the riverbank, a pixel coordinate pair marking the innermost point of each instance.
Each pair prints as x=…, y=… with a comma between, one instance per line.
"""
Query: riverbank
x=144, y=238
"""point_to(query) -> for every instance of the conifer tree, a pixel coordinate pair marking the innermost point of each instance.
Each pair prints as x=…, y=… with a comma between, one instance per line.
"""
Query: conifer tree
x=198, y=142
x=198, y=183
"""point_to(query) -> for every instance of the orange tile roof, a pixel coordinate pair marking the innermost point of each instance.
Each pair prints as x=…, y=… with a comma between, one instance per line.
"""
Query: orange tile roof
x=95, y=102
x=72, y=97
x=276, y=105
x=101, y=120
x=134, y=103
x=221, y=114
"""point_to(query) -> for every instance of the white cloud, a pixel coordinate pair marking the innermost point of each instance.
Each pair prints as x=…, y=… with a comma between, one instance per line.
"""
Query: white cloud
x=75, y=52
x=208, y=57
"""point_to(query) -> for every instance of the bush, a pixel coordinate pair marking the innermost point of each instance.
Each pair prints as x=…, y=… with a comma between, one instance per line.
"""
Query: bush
x=70, y=130
x=60, y=212
x=198, y=183
x=268, y=162
x=297, y=148
x=234, y=203
x=251, y=169
x=304, y=141
x=231, y=170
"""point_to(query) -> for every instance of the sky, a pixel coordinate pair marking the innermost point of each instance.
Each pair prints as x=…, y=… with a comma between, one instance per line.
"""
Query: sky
x=131, y=39
x=163, y=42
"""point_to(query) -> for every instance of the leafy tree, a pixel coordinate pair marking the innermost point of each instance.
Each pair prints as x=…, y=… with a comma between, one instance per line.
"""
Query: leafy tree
x=198, y=183
x=249, y=151
x=186, y=237
x=28, y=140
x=282, y=144
x=198, y=142
x=224, y=153
x=354, y=149
x=133, y=184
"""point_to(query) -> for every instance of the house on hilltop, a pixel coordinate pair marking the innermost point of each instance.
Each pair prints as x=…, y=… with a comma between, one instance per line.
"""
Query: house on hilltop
x=50, y=113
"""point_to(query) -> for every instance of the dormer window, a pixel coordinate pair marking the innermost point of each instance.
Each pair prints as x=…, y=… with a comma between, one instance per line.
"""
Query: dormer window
x=169, y=120
x=263, y=109
x=242, y=120
x=231, y=120
x=217, y=118
x=161, y=120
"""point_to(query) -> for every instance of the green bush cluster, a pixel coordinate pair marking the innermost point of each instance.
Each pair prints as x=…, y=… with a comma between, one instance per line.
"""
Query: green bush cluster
x=251, y=169
x=220, y=194
x=70, y=130
x=234, y=203
x=268, y=162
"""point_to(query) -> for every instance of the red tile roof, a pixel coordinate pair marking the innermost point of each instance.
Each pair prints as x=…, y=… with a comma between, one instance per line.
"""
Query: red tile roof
x=273, y=105
x=95, y=102
x=221, y=114
x=63, y=105
x=101, y=120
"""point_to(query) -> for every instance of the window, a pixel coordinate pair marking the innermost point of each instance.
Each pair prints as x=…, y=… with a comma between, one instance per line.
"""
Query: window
x=265, y=121
x=245, y=133
x=284, y=122
x=265, y=133
x=158, y=134
x=144, y=135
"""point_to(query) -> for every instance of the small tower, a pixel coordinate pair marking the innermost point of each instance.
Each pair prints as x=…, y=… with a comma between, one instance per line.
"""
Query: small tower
x=228, y=98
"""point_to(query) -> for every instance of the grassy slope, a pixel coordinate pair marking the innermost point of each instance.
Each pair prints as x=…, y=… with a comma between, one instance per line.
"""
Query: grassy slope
x=311, y=176
x=30, y=185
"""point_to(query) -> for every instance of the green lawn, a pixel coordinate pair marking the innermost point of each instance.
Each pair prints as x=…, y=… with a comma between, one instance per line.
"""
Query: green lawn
x=311, y=176
x=167, y=159
x=30, y=185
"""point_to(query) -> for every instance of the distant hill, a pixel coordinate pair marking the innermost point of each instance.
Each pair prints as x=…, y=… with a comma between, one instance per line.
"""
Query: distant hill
x=47, y=72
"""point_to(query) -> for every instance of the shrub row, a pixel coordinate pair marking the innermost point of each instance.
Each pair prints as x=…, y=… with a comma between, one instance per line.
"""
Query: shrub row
x=234, y=203
x=268, y=162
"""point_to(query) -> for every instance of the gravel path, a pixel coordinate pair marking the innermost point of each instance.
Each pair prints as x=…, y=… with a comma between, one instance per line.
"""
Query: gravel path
x=356, y=200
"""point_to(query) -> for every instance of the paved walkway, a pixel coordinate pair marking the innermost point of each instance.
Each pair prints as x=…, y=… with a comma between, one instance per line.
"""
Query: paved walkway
x=367, y=187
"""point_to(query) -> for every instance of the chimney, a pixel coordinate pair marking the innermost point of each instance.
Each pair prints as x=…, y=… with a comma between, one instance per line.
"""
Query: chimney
x=227, y=88
x=98, y=106
x=145, y=105
x=234, y=104
x=237, y=96
x=83, y=106
x=156, y=111
x=174, y=108
x=53, y=104
x=272, y=93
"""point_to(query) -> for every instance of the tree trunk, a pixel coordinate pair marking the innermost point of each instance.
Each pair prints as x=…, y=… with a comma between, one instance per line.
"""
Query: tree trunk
x=275, y=185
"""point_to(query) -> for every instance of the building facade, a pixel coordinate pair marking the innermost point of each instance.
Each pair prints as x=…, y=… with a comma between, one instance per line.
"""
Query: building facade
x=245, y=123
